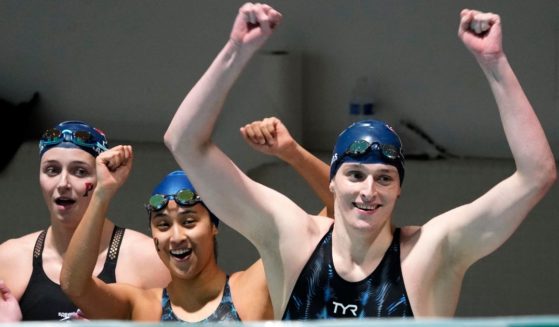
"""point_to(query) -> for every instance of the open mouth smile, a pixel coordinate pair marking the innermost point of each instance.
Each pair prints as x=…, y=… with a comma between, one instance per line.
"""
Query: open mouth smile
x=366, y=207
x=181, y=254
x=64, y=201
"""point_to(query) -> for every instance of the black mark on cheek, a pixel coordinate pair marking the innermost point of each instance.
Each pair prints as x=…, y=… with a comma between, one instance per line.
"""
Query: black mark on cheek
x=88, y=187
x=156, y=242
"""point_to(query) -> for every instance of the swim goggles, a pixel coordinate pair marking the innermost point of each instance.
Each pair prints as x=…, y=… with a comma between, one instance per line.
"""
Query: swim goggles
x=55, y=136
x=361, y=147
x=183, y=198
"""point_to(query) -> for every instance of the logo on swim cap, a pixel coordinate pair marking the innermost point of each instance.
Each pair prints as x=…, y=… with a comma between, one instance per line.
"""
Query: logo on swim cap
x=334, y=159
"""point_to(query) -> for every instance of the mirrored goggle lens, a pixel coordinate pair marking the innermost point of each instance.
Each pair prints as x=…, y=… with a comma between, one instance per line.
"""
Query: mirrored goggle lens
x=390, y=151
x=83, y=138
x=79, y=137
x=157, y=202
x=183, y=198
x=186, y=197
x=51, y=135
x=359, y=147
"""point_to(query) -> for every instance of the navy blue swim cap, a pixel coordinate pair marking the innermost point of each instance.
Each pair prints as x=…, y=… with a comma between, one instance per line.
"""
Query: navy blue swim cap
x=368, y=141
x=177, y=181
x=74, y=134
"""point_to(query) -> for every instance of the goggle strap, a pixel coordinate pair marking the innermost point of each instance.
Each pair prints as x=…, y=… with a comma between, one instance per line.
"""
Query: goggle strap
x=102, y=147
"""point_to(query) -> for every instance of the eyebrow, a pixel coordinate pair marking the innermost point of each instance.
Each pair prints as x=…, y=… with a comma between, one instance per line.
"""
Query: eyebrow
x=187, y=210
x=50, y=162
x=73, y=162
x=158, y=214
x=388, y=169
x=161, y=213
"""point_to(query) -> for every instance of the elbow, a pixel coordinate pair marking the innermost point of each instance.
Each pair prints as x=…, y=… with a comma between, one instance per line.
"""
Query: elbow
x=170, y=141
x=72, y=289
x=174, y=141
x=552, y=174
x=538, y=180
x=547, y=176
x=67, y=288
x=184, y=145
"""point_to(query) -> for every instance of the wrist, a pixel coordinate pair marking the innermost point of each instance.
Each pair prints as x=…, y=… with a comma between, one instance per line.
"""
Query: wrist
x=102, y=193
x=293, y=154
x=494, y=67
x=236, y=54
x=491, y=61
x=234, y=43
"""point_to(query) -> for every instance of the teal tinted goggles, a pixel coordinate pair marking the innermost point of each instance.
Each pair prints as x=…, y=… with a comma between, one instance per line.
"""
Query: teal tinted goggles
x=184, y=198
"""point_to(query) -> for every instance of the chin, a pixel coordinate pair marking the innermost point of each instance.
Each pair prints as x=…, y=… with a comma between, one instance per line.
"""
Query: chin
x=184, y=273
x=366, y=222
x=67, y=218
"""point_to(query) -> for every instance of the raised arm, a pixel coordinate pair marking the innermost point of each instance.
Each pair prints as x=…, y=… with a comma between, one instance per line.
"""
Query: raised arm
x=243, y=204
x=271, y=137
x=480, y=227
x=280, y=230
x=9, y=306
x=95, y=298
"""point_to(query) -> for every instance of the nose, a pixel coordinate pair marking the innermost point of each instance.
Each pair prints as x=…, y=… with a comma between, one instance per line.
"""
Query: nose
x=63, y=182
x=177, y=234
x=368, y=189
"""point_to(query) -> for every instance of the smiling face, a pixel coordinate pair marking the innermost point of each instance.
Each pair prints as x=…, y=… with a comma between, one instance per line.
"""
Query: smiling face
x=184, y=237
x=67, y=176
x=365, y=194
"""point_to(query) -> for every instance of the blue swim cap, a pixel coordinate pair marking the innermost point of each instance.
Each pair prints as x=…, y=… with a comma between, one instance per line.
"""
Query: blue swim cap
x=368, y=141
x=74, y=134
x=177, y=181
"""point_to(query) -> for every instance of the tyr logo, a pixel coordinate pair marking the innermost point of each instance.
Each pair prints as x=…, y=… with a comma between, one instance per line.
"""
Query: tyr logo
x=352, y=308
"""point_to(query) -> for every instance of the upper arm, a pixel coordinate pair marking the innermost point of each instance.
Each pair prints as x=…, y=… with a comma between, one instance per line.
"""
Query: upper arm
x=138, y=252
x=250, y=293
x=16, y=264
x=475, y=230
x=259, y=213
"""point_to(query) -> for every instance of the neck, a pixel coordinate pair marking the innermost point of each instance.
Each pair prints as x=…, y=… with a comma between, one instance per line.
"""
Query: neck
x=357, y=253
x=194, y=293
x=59, y=236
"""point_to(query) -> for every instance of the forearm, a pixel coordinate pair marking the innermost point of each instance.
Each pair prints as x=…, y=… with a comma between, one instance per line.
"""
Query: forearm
x=195, y=119
x=81, y=256
x=314, y=171
x=525, y=135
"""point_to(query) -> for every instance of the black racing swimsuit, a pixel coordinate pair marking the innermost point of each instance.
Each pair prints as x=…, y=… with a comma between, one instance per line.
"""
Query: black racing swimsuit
x=320, y=293
x=43, y=299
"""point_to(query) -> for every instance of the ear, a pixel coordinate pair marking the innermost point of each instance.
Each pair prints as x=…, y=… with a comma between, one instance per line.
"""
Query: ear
x=215, y=230
x=331, y=186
